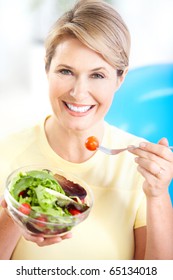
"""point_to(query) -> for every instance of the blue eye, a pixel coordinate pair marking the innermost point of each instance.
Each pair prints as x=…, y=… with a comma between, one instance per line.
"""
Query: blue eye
x=65, y=72
x=97, y=76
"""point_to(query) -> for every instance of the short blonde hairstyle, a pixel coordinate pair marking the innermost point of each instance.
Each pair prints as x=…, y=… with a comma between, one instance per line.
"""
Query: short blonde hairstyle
x=98, y=26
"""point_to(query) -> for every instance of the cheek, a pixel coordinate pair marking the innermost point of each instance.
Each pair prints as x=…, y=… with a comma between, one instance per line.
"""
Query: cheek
x=106, y=97
x=56, y=88
x=107, y=94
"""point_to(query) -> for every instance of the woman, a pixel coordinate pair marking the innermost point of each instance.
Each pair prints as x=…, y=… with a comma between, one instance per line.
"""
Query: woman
x=87, y=58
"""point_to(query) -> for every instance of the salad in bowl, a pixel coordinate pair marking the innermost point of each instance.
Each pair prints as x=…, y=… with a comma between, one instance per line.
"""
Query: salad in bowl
x=47, y=201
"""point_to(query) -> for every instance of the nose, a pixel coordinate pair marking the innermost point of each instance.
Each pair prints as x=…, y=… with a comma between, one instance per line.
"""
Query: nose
x=80, y=89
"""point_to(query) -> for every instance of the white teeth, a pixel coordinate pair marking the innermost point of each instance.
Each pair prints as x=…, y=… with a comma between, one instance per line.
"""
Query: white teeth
x=78, y=109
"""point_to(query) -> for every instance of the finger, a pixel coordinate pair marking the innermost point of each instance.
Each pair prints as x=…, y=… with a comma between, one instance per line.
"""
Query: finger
x=152, y=159
x=148, y=165
x=163, y=141
x=149, y=168
x=32, y=237
x=49, y=241
x=42, y=241
x=3, y=202
x=67, y=236
x=147, y=149
x=53, y=240
x=151, y=181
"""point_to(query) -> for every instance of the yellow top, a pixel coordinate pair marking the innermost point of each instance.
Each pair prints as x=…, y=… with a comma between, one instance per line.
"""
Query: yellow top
x=119, y=201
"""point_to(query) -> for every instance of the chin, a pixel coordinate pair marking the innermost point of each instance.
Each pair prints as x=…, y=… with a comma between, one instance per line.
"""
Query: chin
x=77, y=126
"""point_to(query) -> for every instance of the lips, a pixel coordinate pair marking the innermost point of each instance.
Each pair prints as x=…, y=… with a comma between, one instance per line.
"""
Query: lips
x=79, y=108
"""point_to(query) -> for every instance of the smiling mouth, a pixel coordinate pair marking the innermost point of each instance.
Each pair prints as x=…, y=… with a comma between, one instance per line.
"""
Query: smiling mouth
x=78, y=109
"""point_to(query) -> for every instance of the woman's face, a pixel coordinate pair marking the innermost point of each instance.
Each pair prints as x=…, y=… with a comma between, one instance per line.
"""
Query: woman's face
x=81, y=85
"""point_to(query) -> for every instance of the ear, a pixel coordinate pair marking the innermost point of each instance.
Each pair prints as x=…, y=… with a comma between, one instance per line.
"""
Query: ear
x=122, y=77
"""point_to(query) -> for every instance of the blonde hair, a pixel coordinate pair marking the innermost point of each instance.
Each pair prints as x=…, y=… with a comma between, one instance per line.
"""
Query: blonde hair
x=97, y=25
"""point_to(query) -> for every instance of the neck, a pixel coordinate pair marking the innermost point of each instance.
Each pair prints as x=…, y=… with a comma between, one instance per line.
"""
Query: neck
x=70, y=144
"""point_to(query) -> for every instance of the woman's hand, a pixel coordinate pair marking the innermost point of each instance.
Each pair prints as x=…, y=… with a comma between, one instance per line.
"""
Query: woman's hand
x=155, y=163
x=3, y=202
x=42, y=241
x=38, y=239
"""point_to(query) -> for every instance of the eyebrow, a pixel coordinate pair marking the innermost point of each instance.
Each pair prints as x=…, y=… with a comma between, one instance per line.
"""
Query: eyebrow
x=95, y=69
x=99, y=68
x=64, y=65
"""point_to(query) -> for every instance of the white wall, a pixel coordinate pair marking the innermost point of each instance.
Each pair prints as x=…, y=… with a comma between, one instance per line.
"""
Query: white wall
x=150, y=23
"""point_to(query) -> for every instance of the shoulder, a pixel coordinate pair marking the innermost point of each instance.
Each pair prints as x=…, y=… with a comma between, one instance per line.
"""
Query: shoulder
x=16, y=149
x=119, y=137
x=20, y=140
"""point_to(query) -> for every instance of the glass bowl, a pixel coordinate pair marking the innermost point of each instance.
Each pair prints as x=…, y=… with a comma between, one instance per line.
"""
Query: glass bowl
x=50, y=212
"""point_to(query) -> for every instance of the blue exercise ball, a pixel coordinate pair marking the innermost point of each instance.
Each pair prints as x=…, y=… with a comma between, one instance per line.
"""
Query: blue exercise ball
x=144, y=104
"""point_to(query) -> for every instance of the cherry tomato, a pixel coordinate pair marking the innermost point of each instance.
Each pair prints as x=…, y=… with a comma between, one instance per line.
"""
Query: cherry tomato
x=92, y=143
x=40, y=221
x=74, y=212
x=25, y=208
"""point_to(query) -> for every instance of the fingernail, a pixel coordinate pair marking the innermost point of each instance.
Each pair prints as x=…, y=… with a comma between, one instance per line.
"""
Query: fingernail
x=58, y=239
x=41, y=239
x=142, y=144
x=69, y=235
x=131, y=147
x=136, y=159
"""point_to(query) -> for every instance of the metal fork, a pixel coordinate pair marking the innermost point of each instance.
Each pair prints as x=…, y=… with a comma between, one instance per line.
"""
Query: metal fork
x=117, y=151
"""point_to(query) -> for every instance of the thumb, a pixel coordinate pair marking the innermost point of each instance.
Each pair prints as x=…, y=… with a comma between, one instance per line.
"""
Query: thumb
x=163, y=141
x=3, y=202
